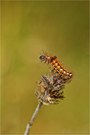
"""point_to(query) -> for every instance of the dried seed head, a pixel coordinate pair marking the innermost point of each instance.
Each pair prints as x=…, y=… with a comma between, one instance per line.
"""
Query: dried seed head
x=50, y=89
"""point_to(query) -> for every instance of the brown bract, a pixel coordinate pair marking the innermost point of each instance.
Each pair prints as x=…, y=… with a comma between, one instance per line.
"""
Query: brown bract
x=50, y=88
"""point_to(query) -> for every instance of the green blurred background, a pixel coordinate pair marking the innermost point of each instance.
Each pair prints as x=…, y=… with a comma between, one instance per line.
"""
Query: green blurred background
x=59, y=28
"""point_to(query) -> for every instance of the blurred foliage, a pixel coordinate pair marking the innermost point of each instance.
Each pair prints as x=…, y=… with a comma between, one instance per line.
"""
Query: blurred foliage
x=60, y=28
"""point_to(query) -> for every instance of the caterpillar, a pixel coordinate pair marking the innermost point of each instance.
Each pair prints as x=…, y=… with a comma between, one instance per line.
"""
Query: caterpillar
x=53, y=61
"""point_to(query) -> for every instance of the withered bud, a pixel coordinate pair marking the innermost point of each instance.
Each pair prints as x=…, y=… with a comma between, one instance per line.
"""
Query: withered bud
x=50, y=88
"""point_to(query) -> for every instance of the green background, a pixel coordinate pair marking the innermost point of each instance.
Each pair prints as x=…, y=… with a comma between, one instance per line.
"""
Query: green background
x=58, y=28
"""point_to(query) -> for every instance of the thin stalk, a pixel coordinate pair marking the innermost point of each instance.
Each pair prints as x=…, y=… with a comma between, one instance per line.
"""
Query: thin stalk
x=30, y=123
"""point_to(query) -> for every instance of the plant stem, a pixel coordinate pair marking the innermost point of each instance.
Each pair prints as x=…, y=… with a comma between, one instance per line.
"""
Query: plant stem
x=30, y=123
